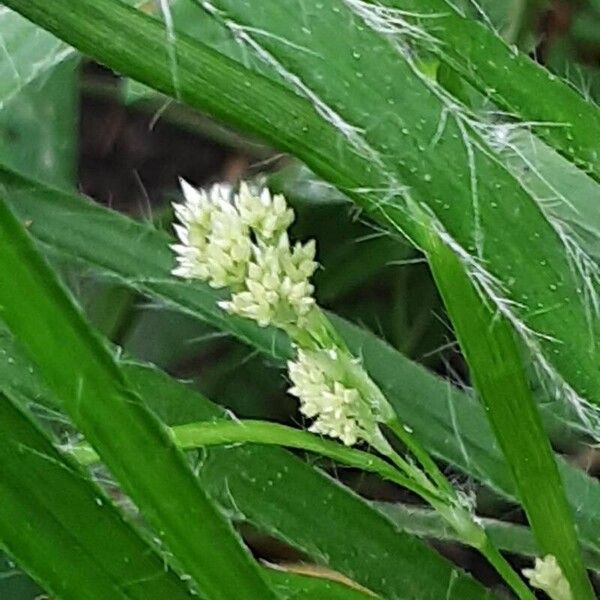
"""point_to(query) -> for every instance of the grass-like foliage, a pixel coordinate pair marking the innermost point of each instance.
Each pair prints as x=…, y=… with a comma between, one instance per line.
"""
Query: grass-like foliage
x=433, y=130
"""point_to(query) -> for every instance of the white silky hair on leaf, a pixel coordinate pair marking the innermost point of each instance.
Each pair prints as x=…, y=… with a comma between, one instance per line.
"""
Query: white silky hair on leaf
x=480, y=10
x=586, y=270
x=394, y=22
x=393, y=26
x=242, y=34
x=499, y=138
x=354, y=135
x=583, y=267
x=502, y=138
x=489, y=287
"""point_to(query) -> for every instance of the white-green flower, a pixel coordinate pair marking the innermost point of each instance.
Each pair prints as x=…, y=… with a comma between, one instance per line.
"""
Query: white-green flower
x=277, y=290
x=215, y=243
x=228, y=250
x=268, y=216
x=338, y=411
x=547, y=575
x=242, y=243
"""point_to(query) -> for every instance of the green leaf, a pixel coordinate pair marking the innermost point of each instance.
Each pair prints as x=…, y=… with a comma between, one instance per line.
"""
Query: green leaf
x=464, y=169
x=514, y=82
x=38, y=126
x=568, y=193
x=224, y=433
x=259, y=473
x=448, y=422
x=188, y=19
x=195, y=435
x=27, y=52
x=539, y=294
x=28, y=58
x=323, y=66
x=337, y=519
x=506, y=536
x=291, y=586
x=478, y=222
x=495, y=361
x=537, y=476
x=132, y=442
x=470, y=225
x=49, y=503
x=38, y=95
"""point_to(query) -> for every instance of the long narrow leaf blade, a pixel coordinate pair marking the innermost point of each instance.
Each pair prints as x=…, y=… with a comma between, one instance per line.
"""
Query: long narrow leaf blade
x=432, y=149
x=447, y=421
x=389, y=566
x=496, y=366
x=482, y=195
x=389, y=569
x=518, y=85
x=473, y=177
x=131, y=441
x=64, y=530
x=473, y=196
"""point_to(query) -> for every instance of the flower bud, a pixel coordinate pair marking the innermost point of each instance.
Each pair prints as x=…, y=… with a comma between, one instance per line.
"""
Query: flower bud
x=547, y=575
x=338, y=411
x=215, y=244
x=268, y=216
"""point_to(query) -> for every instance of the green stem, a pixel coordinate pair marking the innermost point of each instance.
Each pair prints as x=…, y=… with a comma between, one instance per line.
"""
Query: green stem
x=412, y=471
x=461, y=519
x=220, y=433
x=423, y=457
x=495, y=358
x=507, y=573
x=508, y=537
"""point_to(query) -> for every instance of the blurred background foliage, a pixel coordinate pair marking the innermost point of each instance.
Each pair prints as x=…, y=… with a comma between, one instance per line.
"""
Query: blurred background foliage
x=80, y=126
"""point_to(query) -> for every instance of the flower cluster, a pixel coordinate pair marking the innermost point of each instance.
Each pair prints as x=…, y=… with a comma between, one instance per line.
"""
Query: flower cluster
x=338, y=410
x=241, y=243
x=215, y=245
x=277, y=289
x=547, y=576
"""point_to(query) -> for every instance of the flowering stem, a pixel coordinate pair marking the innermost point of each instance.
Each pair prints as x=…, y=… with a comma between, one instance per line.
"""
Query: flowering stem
x=220, y=433
x=504, y=569
x=423, y=457
x=412, y=471
x=459, y=518
x=241, y=243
